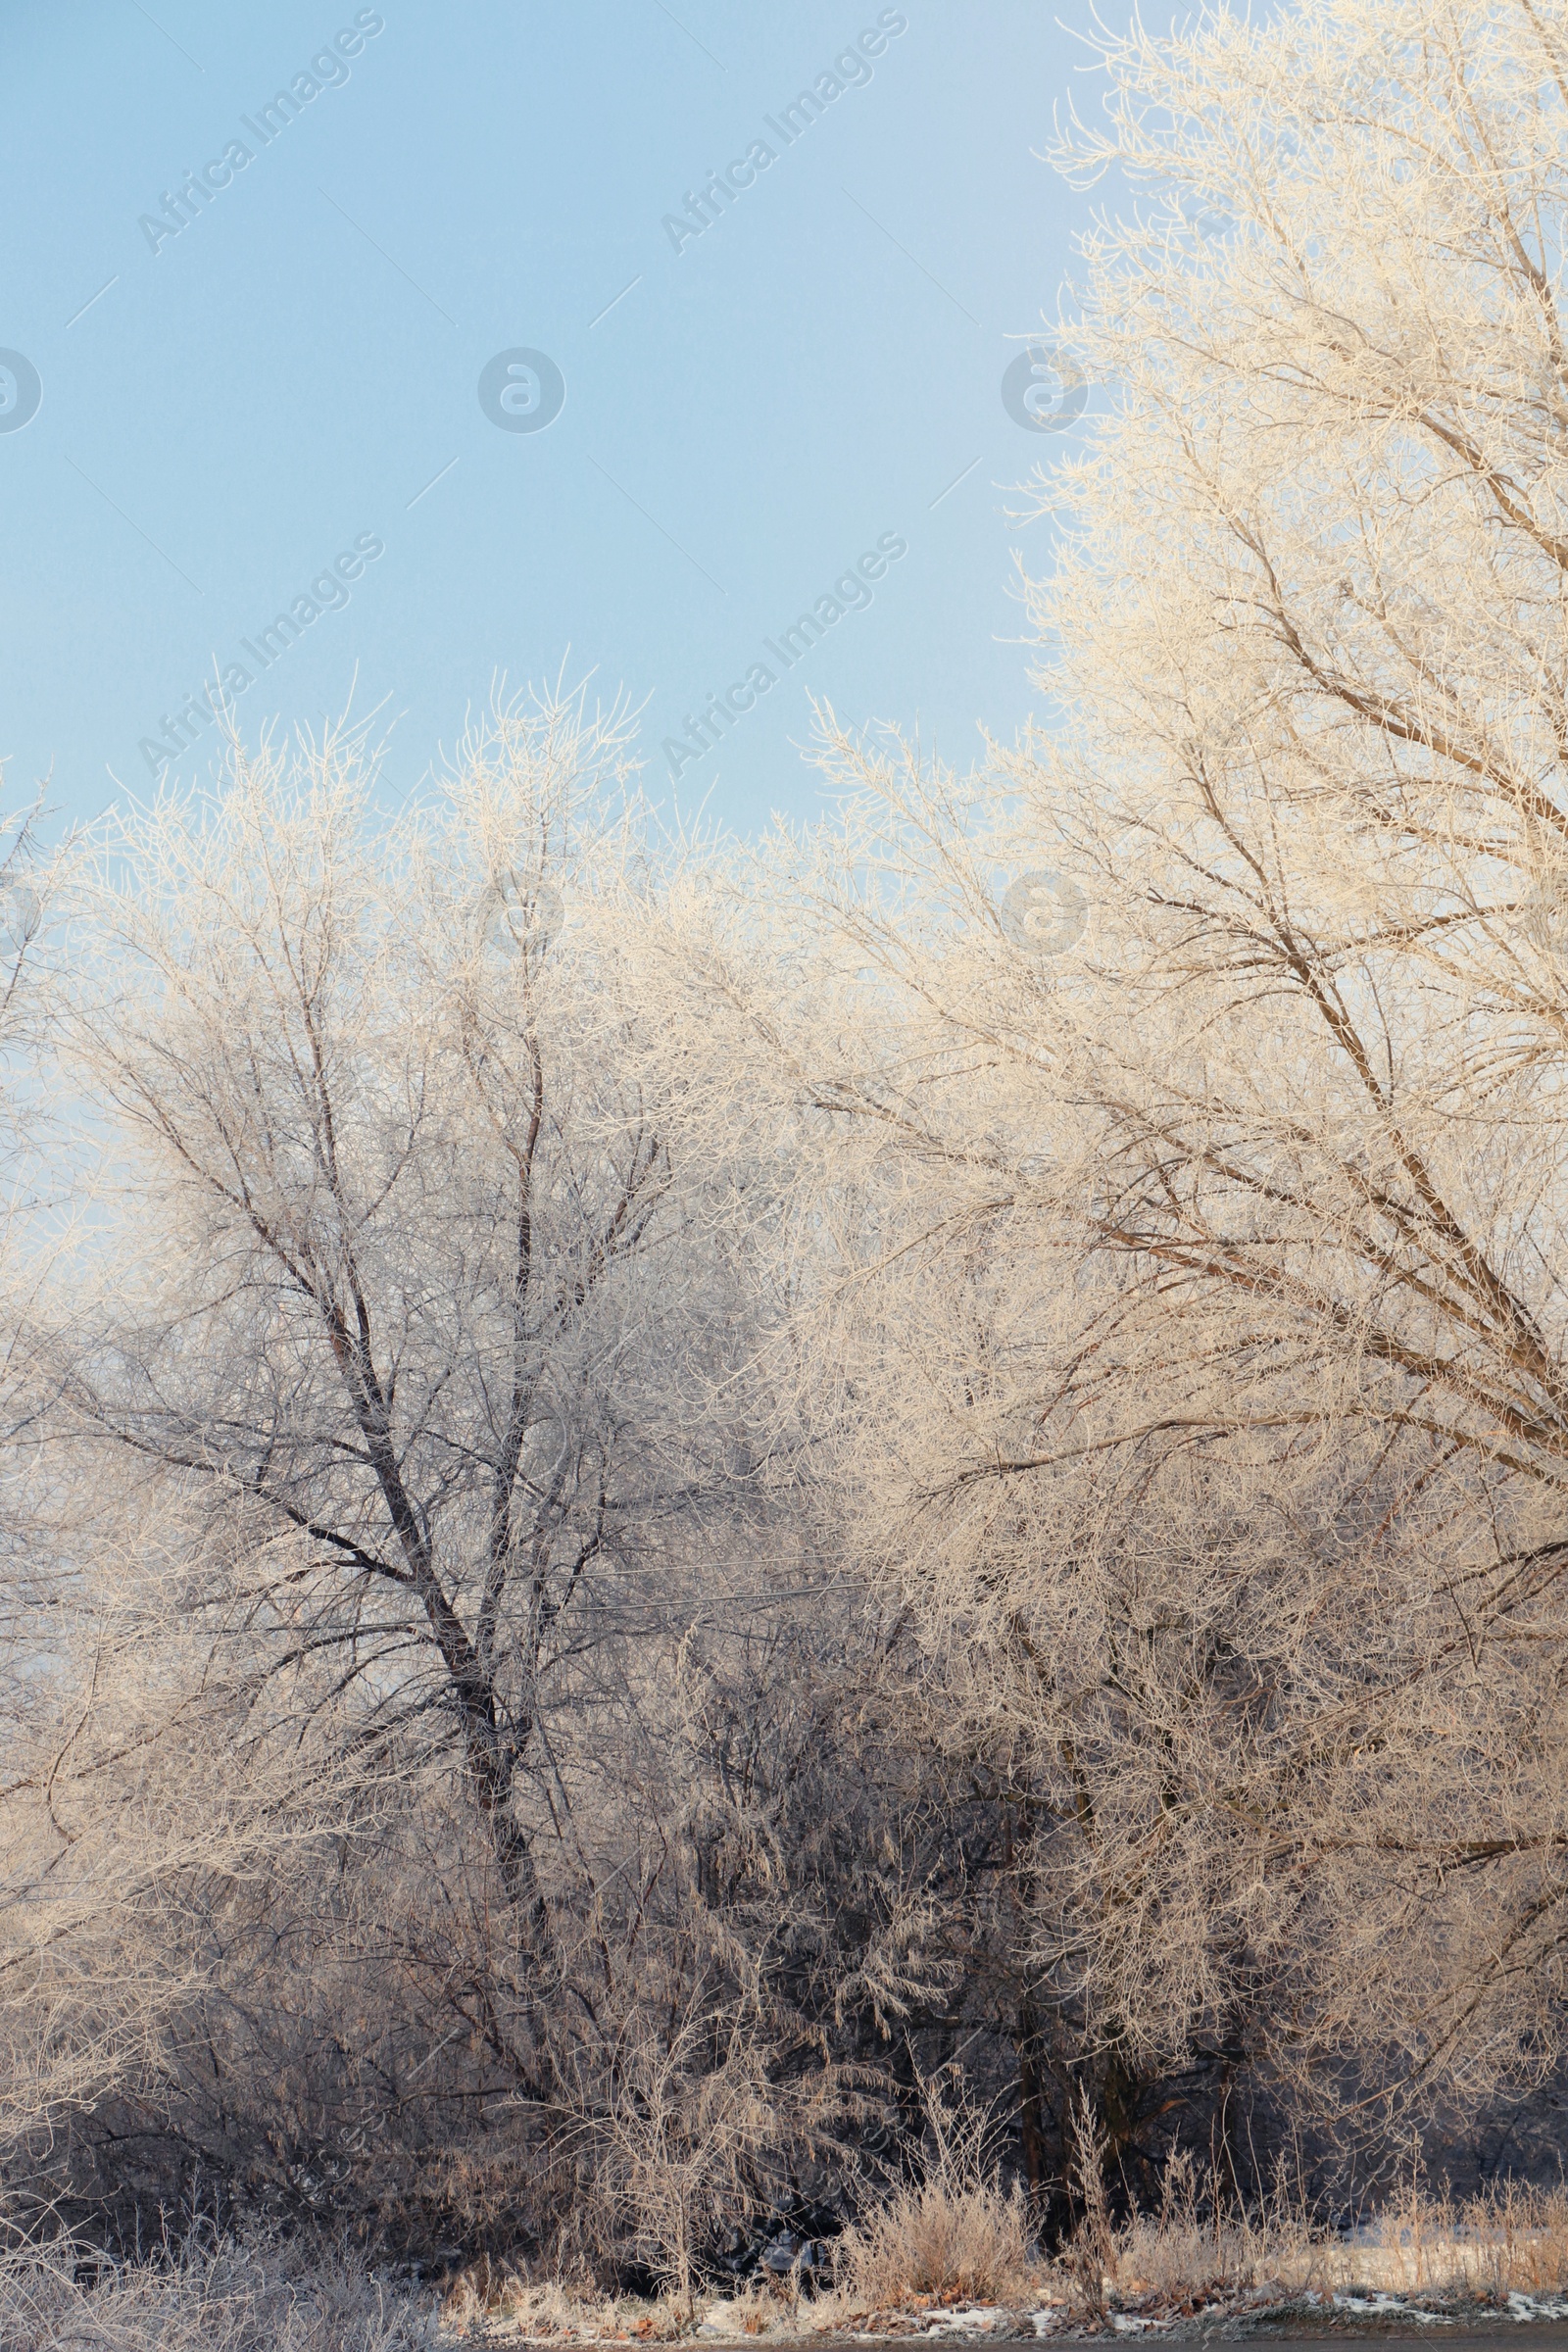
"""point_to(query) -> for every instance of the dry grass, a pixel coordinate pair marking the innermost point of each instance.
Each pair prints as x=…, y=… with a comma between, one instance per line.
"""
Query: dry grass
x=1511, y=2240
x=955, y=2236
x=226, y=2301
x=571, y=2313
x=955, y=2232
x=934, y=2239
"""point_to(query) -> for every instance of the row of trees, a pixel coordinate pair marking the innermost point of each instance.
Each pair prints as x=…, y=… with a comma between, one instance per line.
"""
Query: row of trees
x=655, y=1488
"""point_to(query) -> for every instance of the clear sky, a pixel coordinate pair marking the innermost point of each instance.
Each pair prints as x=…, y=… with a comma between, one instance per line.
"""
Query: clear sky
x=244, y=343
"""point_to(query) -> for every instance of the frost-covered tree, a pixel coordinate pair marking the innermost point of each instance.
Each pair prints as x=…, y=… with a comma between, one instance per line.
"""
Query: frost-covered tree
x=1206, y=1211
x=438, y=1300
x=401, y=1275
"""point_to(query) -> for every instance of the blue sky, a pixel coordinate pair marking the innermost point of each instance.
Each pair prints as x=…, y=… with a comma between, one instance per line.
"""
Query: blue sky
x=241, y=392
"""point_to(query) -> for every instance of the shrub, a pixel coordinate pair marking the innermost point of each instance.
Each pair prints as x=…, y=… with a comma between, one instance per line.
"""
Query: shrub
x=956, y=2230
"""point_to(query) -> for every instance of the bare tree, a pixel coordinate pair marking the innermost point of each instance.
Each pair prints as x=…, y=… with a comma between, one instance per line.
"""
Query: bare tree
x=1188, y=1164
x=956, y=1430
x=433, y=1296
x=413, y=1217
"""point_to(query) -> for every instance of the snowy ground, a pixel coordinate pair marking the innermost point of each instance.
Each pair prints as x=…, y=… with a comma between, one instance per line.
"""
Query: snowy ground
x=1344, y=2312
x=1422, y=2270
